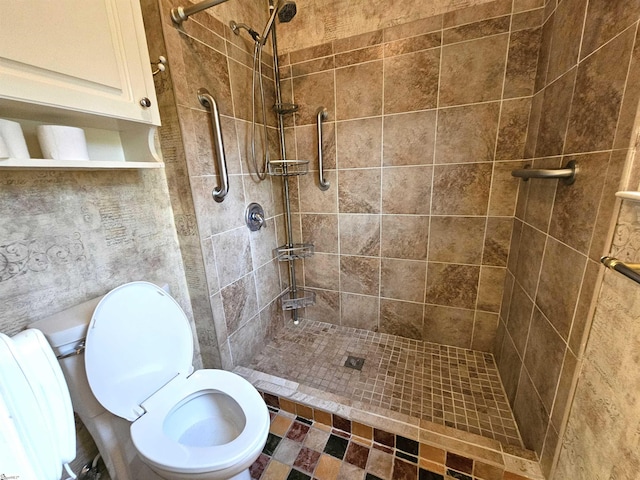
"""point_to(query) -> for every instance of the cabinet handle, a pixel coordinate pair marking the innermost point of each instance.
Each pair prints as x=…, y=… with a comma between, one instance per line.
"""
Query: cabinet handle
x=207, y=101
x=145, y=102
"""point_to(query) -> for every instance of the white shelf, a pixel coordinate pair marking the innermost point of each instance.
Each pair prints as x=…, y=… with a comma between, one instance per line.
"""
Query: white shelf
x=43, y=163
x=111, y=143
x=629, y=195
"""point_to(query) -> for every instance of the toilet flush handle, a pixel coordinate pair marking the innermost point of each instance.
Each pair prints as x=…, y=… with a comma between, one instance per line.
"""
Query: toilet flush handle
x=78, y=350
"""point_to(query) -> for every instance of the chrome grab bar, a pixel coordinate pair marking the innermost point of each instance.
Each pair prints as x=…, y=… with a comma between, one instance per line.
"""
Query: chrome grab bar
x=568, y=173
x=321, y=115
x=629, y=270
x=207, y=101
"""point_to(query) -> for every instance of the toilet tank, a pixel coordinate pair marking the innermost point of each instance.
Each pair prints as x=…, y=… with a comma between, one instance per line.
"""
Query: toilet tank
x=65, y=331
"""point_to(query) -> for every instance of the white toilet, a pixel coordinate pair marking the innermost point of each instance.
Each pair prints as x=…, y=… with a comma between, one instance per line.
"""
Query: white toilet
x=207, y=424
x=37, y=430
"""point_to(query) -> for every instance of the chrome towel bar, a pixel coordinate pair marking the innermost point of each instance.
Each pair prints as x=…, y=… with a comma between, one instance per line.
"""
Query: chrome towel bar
x=321, y=115
x=568, y=173
x=207, y=101
x=629, y=270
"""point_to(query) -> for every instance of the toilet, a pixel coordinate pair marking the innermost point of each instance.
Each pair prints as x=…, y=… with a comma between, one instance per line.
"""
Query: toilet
x=183, y=424
x=37, y=430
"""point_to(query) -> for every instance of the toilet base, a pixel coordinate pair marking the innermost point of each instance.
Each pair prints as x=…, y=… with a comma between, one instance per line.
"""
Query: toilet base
x=243, y=475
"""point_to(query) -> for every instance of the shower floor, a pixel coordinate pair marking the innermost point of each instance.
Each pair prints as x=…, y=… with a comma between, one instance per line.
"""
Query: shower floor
x=447, y=385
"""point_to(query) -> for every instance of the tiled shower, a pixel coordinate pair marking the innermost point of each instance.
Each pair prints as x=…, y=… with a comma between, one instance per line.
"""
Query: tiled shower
x=423, y=235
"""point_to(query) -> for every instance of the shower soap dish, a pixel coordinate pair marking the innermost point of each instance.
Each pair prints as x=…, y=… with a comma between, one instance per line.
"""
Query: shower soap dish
x=300, y=299
x=296, y=251
x=288, y=168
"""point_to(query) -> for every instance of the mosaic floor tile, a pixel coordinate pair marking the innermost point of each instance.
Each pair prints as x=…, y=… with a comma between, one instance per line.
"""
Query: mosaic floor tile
x=357, y=455
x=328, y=468
x=446, y=385
x=287, y=451
x=336, y=446
x=319, y=455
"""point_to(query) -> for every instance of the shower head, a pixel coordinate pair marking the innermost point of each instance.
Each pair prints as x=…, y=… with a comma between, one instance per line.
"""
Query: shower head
x=286, y=10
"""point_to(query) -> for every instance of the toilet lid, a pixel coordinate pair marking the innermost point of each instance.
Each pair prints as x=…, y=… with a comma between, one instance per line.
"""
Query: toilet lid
x=138, y=340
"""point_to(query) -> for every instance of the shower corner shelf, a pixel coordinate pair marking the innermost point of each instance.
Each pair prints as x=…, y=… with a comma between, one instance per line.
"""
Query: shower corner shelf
x=296, y=251
x=285, y=108
x=300, y=299
x=288, y=168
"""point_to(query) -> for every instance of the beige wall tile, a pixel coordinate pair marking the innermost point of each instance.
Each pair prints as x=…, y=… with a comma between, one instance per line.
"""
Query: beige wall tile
x=473, y=71
x=452, y=326
x=322, y=231
x=411, y=81
x=467, y=134
x=359, y=91
x=406, y=190
x=405, y=236
x=409, y=138
x=461, y=189
x=456, y=239
x=403, y=279
x=359, y=234
x=401, y=318
x=359, y=190
x=360, y=311
x=452, y=285
x=359, y=142
x=322, y=270
x=360, y=275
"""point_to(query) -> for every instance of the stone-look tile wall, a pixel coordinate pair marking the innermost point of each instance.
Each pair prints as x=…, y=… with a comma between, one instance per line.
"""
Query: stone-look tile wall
x=426, y=122
x=233, y=277
x=322, y=21
x=583, y=109
x=598, y=441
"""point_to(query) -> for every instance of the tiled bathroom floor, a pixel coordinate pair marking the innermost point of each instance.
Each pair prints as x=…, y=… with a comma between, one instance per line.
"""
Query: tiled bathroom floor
x=301, y=449
x=446, y=385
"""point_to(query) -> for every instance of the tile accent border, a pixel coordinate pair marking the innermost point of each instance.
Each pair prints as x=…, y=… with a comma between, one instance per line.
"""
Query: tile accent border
x=440, y=449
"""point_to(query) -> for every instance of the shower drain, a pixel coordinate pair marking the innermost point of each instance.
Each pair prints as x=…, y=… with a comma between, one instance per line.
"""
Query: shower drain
x=354, y=362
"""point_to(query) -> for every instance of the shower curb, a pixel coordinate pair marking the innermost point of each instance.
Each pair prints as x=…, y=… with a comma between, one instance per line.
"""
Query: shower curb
x=516, y=463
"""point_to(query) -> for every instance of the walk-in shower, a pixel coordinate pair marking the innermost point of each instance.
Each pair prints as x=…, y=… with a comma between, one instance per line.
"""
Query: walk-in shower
x=429, y=259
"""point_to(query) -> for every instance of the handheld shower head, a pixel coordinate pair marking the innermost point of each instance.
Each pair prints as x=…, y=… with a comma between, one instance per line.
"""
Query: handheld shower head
x=286, y=10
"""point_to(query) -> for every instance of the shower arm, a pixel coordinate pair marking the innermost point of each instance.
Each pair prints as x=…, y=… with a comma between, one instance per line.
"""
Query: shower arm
x=180, y=14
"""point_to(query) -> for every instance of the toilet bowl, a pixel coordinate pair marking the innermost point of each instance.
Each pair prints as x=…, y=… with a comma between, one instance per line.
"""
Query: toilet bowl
x=37, y=430
x=185, y=424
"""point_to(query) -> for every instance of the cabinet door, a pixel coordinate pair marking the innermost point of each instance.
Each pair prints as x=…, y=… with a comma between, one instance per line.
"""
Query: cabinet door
x=87, y=56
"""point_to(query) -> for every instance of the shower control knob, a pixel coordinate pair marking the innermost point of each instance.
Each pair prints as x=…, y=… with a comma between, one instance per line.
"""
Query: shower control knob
x=254, y=217
x=145, y=102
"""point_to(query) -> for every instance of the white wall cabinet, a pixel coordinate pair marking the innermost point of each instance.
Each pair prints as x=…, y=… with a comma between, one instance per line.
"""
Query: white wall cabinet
x=80, y=63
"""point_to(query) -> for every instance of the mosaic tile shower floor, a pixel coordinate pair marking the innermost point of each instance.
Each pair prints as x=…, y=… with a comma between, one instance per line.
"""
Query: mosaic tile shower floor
x=443, y=384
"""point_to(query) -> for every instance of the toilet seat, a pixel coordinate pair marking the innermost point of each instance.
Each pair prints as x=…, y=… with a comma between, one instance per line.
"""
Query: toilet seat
x=137, y=341
x=146, y=379
x=153, y=443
